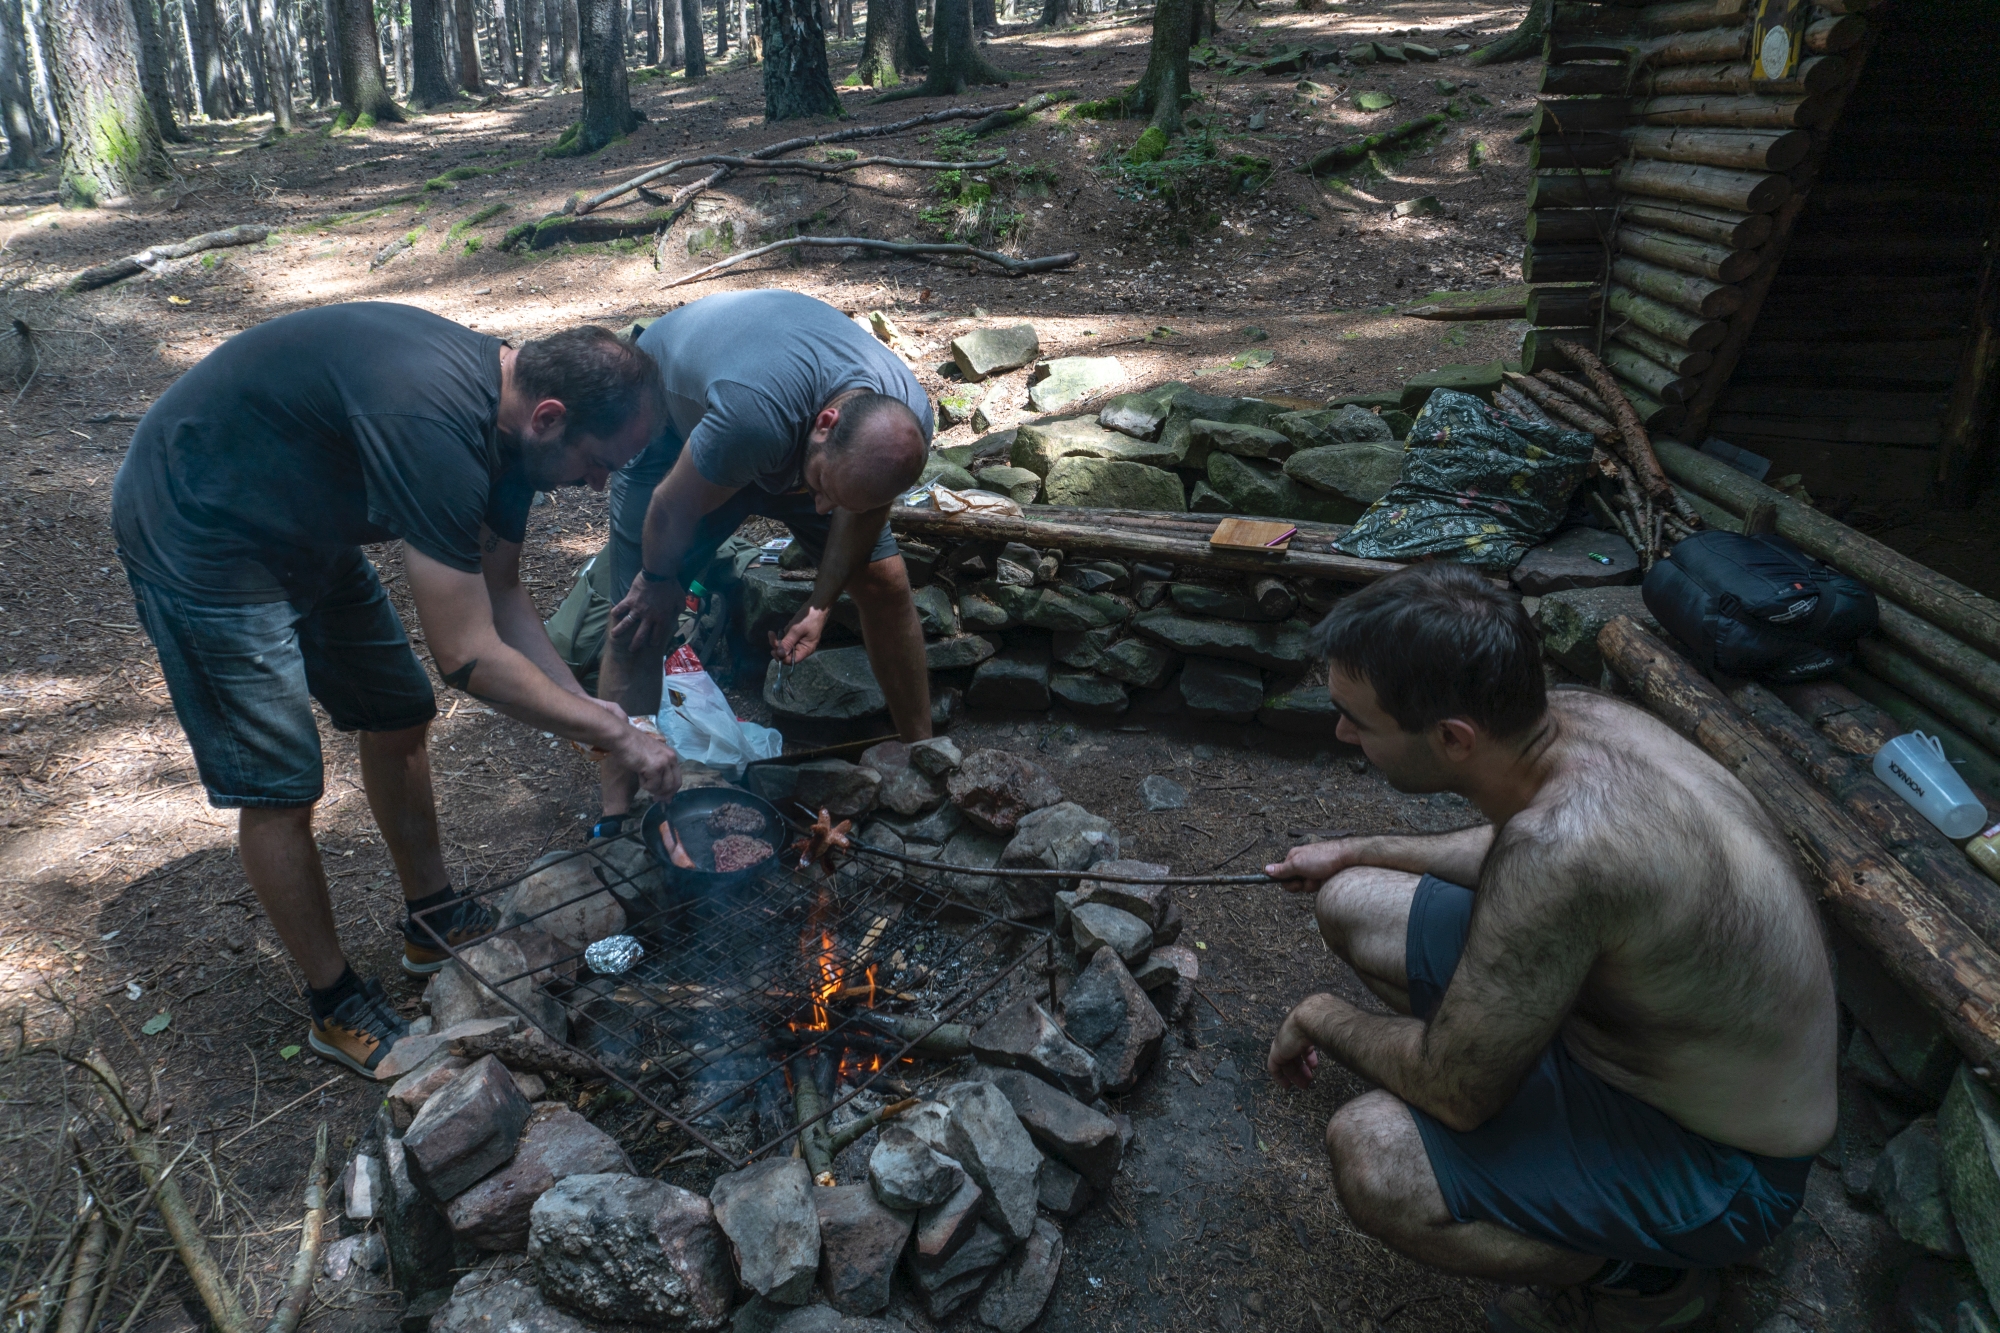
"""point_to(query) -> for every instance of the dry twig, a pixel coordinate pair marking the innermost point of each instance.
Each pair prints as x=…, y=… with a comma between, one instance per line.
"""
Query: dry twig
x=132, y=265
x=298, y=1283
x=1015, y=268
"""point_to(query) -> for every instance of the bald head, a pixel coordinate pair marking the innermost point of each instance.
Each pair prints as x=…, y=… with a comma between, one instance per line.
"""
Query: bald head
x=873, y=450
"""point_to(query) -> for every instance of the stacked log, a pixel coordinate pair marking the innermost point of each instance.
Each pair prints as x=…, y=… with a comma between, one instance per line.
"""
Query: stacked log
x=1665, y=175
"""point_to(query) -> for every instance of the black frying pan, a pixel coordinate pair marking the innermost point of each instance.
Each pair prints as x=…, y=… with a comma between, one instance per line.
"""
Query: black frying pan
x=687, y=811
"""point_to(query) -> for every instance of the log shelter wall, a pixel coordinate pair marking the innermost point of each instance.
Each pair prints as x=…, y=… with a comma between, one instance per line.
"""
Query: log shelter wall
x=1801, y=267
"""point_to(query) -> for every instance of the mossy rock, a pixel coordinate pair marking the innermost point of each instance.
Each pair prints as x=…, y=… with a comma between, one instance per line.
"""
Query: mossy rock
x=1151, y=147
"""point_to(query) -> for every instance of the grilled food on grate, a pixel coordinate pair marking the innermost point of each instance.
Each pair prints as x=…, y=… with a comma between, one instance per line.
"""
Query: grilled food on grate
x=734, y=818
x=735, y=851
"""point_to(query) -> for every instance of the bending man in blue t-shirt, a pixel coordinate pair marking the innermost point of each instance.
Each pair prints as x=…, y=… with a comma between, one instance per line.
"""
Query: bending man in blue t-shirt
x=1612, y=1055
x=778, y=405
x=240, y=512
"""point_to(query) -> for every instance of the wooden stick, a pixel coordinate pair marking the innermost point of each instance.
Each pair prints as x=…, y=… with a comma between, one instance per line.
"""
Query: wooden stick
x=603, y=197
x=1000, y=120
x=1576, y=414
x=1025, y=872
x=1573, y=389
x=1887, y=663
x=1638, y=445
x=1932, y=953
x=845, y=1137
x=132, y=265
x=1939, y=651
x=299, y=1282
x=1078, y=536
x=1346, y=154
x=209, y=1283
x=1015, y=268
x=1908, y=836
x=1521, y=405
x=810, y=1108
x=833, y=168
x=83, y=1274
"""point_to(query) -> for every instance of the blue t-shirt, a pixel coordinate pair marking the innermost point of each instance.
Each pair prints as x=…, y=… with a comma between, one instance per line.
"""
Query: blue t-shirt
x=746, y=372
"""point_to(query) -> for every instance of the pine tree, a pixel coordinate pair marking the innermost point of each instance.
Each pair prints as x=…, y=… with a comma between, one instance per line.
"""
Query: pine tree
x=796, y=81
x=111, y=145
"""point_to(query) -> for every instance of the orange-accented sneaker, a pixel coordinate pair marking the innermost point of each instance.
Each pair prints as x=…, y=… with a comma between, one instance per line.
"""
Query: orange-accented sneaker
x=361, y=1031
x=1682, y=1308
x=465, y=922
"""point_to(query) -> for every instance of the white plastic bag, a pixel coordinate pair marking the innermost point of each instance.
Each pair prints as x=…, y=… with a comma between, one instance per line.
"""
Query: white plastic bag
x=698, y=722
x=950, y=502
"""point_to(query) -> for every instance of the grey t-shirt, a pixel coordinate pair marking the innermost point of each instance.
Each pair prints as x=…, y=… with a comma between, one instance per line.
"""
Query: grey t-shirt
x=746, y=373
x=257, y=474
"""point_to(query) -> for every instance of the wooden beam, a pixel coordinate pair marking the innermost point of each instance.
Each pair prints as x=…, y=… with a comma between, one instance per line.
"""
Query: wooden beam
x=1716, y=187
x=1925, y=947
x=1718, y=226
x=1729, y=111
x=1681, y=360
x=1967, y=433
x=1696, y=295
x=1664, y=321
x=1742, y=150
x=1949, y=605
x=1687, y=255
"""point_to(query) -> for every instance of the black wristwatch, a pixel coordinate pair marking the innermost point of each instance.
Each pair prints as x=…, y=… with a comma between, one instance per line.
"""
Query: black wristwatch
x=651, y=577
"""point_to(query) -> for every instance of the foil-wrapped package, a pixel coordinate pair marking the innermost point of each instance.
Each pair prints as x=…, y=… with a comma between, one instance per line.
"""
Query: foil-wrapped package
x=613, y=954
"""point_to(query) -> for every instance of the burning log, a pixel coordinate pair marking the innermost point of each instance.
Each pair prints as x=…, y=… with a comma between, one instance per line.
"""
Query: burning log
x=947, y=1040
x=847, y=1135
x=810, y=1107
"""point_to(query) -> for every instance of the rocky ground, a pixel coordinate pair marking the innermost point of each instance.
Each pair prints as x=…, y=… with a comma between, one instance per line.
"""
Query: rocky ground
x=129, y=924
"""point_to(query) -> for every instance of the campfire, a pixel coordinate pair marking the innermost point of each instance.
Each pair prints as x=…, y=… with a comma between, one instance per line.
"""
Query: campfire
x=814, y=1068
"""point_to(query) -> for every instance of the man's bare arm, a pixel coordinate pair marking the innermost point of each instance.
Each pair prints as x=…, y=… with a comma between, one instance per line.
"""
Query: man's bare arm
x=1455, y=856
x=515, y=618
x=457, y=616
x=850, y=540
x=645, y=615
x=1535, y=935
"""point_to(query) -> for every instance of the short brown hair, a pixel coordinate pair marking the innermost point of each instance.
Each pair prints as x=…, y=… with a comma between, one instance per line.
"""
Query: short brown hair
x=1436, y=641
x=600, y=378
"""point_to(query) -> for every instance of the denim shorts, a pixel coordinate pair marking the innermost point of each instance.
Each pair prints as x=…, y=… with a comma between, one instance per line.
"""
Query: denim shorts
x=1575, y=1162
x=632, y=490
x=243, y=677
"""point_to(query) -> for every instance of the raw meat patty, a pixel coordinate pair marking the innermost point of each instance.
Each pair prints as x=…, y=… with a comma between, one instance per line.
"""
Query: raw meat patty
x=736, y=852
x=733, y=818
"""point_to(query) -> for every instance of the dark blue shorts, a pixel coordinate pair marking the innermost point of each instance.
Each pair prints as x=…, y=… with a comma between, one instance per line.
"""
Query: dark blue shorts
x=243, y=677
x=1578, y=1163
x=632, y=489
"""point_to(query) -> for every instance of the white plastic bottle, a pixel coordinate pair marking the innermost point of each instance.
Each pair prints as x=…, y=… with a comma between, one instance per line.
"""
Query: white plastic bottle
x=1914, y=767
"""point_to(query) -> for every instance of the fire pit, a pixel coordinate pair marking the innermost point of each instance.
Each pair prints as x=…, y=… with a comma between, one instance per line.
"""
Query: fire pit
x=762, y=1000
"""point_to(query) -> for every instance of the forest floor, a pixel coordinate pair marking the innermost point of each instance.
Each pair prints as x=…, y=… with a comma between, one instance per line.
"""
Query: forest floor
x=122, y=898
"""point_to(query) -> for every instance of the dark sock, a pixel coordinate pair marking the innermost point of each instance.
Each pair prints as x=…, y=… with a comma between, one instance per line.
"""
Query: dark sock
x=411, y=906
x=1644, y=1279
x=324, y=1002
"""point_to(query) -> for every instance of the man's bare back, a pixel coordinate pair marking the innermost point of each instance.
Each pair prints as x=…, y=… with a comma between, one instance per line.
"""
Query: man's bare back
x=1713, y=999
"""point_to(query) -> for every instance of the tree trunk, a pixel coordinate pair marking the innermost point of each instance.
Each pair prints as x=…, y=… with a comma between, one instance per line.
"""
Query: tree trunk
x=326, y=62
x=211, y=79
x=531, y=43
x=879, y=46
x=670, y=33
x=1057, y=12
x=252, y=46
x=1523, y=43
x=111, y=146
x=955, y=60
x=429, y=85
x=399, y=44
x=181, y=52
x=468, y=46
x=984, y=19
x=653, y=32
x=153, y=68
x=277, y=71
x=1203, y=25
x=364, y=88
x=721, y=28
x=506, y=21
x=1159, y=91
x=796, y=81
x=17, y=109
x=696, y=63
x=572, y=66
x=607, y=103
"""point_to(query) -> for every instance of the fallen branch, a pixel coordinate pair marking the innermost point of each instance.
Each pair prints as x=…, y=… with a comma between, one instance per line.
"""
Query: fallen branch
x=299, y=1282
x=844, y=1138
x=133, y=265
x=1558, y=404
x=1638, y=445
x=1346, y=154
x=1000, y=120
x=603, y=197
x=1495, y=303
x=831, y=168
x=215, y=1292
x=83, y=1276
x=1015, y=267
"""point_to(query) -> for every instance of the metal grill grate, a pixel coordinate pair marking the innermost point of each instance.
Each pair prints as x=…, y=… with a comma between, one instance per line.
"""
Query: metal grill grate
x=735, y=983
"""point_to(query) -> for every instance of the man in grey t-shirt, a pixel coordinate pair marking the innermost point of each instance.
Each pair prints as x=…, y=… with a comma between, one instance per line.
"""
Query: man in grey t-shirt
x=780, y=406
